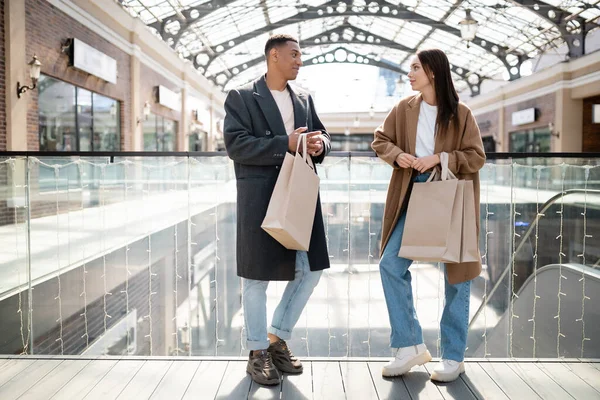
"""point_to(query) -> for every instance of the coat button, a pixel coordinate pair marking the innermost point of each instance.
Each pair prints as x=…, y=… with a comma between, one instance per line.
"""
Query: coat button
x=277, y=167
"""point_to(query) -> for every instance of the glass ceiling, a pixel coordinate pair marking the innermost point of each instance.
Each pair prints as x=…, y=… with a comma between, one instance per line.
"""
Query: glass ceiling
x=225, y=39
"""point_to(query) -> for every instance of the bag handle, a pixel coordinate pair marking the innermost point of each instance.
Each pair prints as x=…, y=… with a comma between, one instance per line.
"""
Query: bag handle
x=304, y=140
x=442, y=173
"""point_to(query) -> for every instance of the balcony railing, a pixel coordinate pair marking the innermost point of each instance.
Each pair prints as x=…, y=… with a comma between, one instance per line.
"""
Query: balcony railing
x=134, y=254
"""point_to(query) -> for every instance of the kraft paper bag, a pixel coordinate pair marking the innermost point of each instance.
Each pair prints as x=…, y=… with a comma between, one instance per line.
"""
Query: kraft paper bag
x=291, y=212
x=470, y=242
x=433, y=227
x=440, y=225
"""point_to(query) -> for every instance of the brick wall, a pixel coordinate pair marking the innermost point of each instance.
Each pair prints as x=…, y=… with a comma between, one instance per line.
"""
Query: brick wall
x=489, y=123
x=47, y=29
x=591, y=132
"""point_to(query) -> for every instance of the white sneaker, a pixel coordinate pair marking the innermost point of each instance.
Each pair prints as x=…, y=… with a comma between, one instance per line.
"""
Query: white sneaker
x=405, y=359
x=447, y=370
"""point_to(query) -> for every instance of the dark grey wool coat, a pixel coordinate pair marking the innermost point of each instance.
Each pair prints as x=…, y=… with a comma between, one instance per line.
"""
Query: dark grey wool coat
x=256, y=140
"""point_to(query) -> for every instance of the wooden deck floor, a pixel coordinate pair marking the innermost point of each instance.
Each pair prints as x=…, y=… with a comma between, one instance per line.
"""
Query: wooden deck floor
x=138, y=378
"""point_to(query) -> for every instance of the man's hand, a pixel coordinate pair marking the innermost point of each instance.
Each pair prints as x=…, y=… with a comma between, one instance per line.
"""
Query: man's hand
x=315, y=143
x=405, y=160
x=294, y=137
x=426, y=163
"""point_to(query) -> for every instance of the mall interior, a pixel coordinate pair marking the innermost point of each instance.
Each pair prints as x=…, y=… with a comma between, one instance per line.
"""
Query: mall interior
x=118, y=200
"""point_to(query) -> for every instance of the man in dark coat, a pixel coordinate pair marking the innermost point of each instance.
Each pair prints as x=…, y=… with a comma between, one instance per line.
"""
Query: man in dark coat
x=263, y=121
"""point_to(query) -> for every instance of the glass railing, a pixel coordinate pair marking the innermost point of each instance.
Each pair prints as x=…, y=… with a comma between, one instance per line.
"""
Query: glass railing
x=134, y=254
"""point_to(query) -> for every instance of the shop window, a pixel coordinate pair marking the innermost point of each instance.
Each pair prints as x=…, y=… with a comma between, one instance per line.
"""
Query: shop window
x=530, y=141
x=159, y=133
x=75, y=119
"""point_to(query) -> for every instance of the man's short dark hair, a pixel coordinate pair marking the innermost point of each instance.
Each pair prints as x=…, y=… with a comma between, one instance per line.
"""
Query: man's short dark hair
x=277, y=41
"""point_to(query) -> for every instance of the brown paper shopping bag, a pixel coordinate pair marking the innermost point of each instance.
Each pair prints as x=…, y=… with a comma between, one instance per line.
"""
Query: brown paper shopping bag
x=470, y=242
x=432, y=231
x=292, y=207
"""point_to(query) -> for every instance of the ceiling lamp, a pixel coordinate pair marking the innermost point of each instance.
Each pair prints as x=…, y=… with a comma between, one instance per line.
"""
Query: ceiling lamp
x=468, y=27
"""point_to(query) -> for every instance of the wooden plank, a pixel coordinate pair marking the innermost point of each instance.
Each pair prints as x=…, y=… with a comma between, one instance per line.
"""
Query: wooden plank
x=298, y=387
x=176, y=381
x=480, y=383
x=236, y=382
x=146, y=380
x=510, y=383
x=541, y=383
x=115, y=380
x=357, y=381
x=420, y=386
x=387, y=388
x=206, y=380
x=260, y=392
x=457, y=389
x=85, y=380
x=13, y=368
x=586, y=372
x=574, y=385
x=21, y=383
x=327, y=381
x=55, y=380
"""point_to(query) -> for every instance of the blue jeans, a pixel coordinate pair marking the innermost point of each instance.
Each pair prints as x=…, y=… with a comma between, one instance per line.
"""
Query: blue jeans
x=287, y=313
x=406, y=330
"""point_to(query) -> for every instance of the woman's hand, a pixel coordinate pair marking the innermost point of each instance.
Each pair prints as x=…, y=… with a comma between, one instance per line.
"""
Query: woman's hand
x=425, y=163
x=405, y=160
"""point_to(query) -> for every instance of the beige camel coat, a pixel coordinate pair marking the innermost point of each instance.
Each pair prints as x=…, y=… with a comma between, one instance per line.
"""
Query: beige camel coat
x=398, y=134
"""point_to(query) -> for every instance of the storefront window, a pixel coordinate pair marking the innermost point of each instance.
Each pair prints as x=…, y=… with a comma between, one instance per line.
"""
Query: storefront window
x=159, y=133
x=75, y=119
x=530, y=141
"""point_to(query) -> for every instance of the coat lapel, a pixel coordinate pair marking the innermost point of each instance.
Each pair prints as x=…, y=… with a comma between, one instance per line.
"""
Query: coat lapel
x=300, y=103
x=412, y=120
x=267, y=104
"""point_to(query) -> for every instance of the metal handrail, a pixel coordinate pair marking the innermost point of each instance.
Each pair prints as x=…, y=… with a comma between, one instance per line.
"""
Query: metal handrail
x=533, y=224
x=490, y=156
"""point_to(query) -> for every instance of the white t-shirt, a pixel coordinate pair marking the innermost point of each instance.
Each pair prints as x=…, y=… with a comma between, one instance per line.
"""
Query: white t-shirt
x=286, y=108
x=426, y=130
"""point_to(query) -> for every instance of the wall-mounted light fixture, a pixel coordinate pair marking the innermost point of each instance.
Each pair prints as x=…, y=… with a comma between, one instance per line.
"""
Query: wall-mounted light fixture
x=146, y=112
x=554, y=133
x=34, y=73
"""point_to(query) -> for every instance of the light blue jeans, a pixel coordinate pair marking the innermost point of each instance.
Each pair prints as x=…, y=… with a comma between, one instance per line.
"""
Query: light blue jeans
x=287, y=313
x=406, y=330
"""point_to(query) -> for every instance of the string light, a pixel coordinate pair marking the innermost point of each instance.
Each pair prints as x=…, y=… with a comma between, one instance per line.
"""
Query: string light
x=538, y=215
x=560, y=259
x=58, y=296
x=584, y=296
x=84, y=269
x=24, y=341
x=514, y=296
x=487, y=169
x=103, y=240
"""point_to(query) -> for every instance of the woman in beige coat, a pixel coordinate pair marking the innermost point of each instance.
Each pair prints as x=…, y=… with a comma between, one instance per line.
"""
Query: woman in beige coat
x=412, y=137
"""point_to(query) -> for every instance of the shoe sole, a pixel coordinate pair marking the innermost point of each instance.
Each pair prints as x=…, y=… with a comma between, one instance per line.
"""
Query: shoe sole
x=265, y=382
x=419, y=360
x=435, y=376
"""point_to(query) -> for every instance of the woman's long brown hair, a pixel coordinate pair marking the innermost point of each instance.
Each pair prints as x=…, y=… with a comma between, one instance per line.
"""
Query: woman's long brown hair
x=437, y=67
